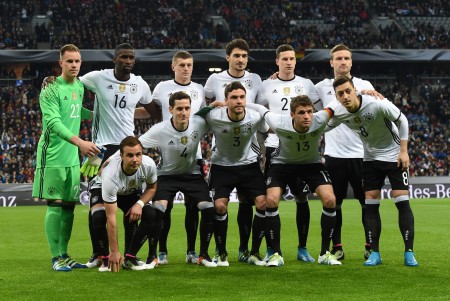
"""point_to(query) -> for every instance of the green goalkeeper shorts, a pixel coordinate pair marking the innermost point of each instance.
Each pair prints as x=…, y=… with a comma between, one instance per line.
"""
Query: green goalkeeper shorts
x=57, y=183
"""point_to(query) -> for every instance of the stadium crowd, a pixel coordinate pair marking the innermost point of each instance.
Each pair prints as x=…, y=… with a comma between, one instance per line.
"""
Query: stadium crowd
x=428, y=115
x=186, y=24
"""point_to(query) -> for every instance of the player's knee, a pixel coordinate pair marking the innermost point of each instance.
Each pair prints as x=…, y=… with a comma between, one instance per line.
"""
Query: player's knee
x=271, y=201
x=301, y=198
x=193, y=209
x=148, y=214
x=220, y=207
x=208, y=214
x=400, y=195
x=99, y=217
x=329, y=201
x=260, y=202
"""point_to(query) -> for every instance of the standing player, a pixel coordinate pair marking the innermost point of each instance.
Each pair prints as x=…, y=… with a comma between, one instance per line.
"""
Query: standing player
x=182, y=66
x=122, y=187
x=57, y=177
x=237, y=52
x=295, y=161
x=343, y=149
x=234, y=164
x=276, y=94
x=383, y=130
x=178, y=141
x=118, y=91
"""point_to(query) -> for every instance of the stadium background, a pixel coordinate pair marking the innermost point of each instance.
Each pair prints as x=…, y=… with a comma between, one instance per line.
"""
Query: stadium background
x=401, y=47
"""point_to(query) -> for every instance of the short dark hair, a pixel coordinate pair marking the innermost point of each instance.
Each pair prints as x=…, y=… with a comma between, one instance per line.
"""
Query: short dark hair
x=339, y=47
x=121, y=47
x=283, y=48
x=129, y=141
x=178, y=96
x=234, y=86
x=237, y=43
x=68, y=47
x=181, y=55
x=342, y=79
x=300, y=100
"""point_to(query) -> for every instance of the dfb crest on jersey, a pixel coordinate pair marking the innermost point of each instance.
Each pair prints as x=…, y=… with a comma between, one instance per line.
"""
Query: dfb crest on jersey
x=299, y=90
x=237, y=131
x=133, y=88
x=248, y=127
x=357, y=120
x=286, y=90
x=51, y=190
x=74, y=95
x=132, y=184
x=194, y=95
x=368, y=116
x=94, y=199
x=302, y=137
x=269, y=180
x=194, y=135
x=122, y=88
x=184, y=140
x=248, y=84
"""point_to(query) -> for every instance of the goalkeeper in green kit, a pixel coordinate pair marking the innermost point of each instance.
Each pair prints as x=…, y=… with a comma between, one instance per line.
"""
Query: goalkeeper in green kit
x=57, y=177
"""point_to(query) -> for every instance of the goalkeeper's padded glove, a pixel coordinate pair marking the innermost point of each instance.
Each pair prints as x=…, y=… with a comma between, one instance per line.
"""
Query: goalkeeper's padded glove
x=91, y=165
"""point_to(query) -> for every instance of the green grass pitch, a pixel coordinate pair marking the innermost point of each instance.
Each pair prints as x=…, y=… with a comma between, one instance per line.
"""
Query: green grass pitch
x=26, y=274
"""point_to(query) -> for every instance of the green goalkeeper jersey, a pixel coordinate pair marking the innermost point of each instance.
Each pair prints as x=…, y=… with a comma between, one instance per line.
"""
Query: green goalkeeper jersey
x=61, y=106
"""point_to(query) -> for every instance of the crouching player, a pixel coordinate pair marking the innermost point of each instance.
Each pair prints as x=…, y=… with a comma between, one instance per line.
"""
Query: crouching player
x=122, y=187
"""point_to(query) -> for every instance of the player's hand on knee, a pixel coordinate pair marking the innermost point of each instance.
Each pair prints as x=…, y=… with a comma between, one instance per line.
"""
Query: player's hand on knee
x=135, y=213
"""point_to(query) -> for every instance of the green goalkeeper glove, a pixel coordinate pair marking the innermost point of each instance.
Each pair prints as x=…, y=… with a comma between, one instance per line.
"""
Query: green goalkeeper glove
x=90, y=166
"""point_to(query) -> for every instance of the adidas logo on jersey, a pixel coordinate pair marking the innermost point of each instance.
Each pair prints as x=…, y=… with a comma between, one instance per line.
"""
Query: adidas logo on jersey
x=171, y=142
x=289, y=137
x=65, y=98
x=329, y=93
x=109, y=87
x=225, y=131
x=274, y=91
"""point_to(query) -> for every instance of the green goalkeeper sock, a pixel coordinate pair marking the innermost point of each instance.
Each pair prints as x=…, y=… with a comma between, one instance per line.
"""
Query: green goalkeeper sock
x=52, y=226
x=66, y=227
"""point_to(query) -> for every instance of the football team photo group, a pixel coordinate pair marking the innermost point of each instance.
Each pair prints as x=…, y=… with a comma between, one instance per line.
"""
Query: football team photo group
x=267, y=136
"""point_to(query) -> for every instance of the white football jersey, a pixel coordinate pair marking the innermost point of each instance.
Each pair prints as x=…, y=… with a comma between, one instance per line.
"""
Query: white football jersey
x=164, y=89
x=296, y=147
x=341, y=142
x=374, y=122
x=216, y=83
x=276, y=94
x=115, y=102
x=178, y=149
x=236, y=142
x=115, y=182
